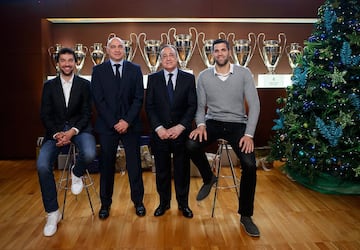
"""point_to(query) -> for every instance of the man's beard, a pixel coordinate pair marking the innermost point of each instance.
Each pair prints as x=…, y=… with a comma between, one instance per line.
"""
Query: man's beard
x=222, y=64
x=67, y=74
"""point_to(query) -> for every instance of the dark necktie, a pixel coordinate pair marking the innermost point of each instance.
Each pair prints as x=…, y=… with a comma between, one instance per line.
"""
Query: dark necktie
x=117, y=73
x=170, y=88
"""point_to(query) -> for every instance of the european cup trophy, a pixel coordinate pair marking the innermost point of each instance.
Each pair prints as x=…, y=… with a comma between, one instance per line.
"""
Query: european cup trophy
x=54, y=54
x=205, y=48
x=271, y=50
x=293, y=51
x=80, y=54
x=97, y=53
x=130, y=45
x=242, y=49
x=150, y=50
x=184, y=43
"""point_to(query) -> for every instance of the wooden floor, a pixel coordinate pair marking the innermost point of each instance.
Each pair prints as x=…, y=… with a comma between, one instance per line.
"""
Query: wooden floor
x=289, y=216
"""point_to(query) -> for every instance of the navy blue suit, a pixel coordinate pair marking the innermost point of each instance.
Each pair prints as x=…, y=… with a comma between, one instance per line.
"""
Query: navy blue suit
x=161, y=112
x=115, y=100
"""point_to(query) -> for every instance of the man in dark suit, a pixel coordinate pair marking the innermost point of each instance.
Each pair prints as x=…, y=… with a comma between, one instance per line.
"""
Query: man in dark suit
x=171, y=105
x=118, y=93
x=66, y=115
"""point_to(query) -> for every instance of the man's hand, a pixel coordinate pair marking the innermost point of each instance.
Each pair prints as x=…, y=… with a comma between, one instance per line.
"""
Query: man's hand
x=199, y=132
x=175, y=131
x=246, y=144
x=64, y=138
x=121, y=127
x=163, y=133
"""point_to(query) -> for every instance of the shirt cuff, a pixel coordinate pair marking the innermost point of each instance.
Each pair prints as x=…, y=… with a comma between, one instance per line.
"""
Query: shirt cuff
x=76, y=130
x=201, y=124
x=159, y=127
x=249, y=135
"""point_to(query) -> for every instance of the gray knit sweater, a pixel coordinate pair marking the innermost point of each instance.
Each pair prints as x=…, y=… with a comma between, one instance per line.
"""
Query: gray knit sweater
x=225, y=100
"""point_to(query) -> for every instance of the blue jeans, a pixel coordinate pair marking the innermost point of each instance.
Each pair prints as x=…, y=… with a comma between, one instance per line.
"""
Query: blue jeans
x=85, y=143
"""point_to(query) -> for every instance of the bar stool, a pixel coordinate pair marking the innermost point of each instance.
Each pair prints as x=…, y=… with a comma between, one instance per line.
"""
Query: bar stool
x=216, y=168
x=65, y=178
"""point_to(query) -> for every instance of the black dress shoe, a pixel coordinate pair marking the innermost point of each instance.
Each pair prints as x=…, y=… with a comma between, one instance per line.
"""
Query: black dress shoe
x=186, y=211
x=205, y=189
x=104, y=212
x=161, y=209
x=140, y=210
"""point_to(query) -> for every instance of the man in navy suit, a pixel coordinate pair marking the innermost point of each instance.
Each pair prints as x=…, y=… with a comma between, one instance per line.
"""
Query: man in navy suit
x=66, y=115
x=171, y=105
x=118, y=93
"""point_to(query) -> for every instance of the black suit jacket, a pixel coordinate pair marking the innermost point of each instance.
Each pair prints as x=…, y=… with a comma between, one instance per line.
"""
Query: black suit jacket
x=54, y=113
x=113, y=101
x=159, y=110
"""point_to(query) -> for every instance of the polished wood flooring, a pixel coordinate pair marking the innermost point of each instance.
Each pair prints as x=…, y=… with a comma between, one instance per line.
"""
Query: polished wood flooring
x=289, y=216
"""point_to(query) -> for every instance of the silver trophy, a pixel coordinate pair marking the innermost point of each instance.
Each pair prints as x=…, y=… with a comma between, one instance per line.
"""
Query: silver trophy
x=97, y=53
x=205, y=48
x=130, y=47
x=271, y=50
x=54, y=54
x=80, y=54
x=150, y=50
x=293, y=51
x=242, y=49
x=184, y=43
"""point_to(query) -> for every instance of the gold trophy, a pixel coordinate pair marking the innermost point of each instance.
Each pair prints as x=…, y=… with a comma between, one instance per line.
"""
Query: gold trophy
x=97, y=53
x=185, y=45
x=271, y=50
x=293, y=51
x=242, y=49
x=205, y=48
x=54, y=54
x=80, y=54
x=150, y=50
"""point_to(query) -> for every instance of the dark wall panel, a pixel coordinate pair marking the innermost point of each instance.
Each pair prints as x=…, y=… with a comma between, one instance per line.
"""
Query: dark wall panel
x=25, y=37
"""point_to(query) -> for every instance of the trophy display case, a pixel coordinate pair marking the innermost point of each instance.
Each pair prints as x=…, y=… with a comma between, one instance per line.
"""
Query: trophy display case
x=256, y=43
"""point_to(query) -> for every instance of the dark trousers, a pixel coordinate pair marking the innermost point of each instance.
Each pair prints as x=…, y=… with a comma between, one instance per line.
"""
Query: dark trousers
x=162, y=150
x=232, y=132
x=108, y=150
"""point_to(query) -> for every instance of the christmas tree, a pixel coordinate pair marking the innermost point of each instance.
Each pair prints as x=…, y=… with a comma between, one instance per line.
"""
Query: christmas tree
x=318, y=129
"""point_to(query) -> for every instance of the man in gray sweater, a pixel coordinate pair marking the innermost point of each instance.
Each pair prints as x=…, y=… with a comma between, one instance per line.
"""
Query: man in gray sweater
x=221, y=113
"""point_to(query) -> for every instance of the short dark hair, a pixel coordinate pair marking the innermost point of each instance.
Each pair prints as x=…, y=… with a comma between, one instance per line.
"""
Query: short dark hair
x=63, y=51
x=217, y=41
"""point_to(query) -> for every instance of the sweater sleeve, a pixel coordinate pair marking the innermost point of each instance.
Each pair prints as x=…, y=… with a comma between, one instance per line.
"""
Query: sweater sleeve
x=252, y=99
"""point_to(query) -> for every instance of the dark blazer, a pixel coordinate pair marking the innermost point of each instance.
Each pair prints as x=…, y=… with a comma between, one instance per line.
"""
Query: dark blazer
x=54, y=113
x=159, y=110
x=116, y=101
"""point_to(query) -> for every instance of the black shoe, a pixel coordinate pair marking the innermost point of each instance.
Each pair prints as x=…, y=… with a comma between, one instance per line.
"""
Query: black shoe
x=249, y=226
x=104, y=212
x=186, y=211
x=205, y=189
x=140, y=210
x=161, y=209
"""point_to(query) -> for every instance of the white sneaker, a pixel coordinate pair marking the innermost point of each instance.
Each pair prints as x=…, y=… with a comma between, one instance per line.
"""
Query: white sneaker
x=76, y=183
x=53, y=219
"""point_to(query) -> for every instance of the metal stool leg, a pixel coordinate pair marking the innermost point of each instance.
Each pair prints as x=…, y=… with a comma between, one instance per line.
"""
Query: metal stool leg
x=217, y=160
x=65, y=177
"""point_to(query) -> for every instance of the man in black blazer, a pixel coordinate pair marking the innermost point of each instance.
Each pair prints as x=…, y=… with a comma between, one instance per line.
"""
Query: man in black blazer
x=171, y=104
x=66, y=115
x=118, y=92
